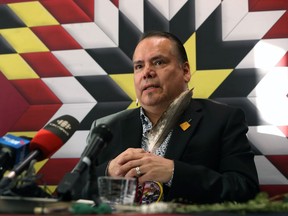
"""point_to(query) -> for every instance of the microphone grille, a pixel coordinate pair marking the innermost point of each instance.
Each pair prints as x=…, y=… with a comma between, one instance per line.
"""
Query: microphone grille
x=103, y=131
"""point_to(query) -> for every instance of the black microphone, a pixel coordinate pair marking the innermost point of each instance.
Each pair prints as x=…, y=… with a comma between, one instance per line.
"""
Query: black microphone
x=13, y=150
x=44, y=144
x=100, y=137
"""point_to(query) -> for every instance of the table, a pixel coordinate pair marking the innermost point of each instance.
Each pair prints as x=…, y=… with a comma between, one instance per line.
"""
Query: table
x=30, y=206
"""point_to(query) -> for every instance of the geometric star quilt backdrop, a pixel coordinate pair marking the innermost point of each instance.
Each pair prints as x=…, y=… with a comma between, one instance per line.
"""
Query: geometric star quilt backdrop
x=73, y=57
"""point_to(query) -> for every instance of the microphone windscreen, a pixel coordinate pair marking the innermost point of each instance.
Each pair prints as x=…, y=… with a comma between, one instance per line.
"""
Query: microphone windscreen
x=103, y=131
x=46, y=142
x=50, y=138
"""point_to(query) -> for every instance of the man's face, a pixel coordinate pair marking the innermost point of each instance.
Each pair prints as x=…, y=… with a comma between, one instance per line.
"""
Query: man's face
x=159, y=77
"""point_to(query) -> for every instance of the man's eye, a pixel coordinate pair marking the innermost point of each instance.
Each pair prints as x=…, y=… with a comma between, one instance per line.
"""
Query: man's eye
x=158, y=62
x=137, y=67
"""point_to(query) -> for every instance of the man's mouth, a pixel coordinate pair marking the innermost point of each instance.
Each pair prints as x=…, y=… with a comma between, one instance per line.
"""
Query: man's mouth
x=150, y=87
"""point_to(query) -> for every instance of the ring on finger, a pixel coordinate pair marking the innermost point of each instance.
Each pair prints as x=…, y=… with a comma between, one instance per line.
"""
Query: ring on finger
x=138, y=171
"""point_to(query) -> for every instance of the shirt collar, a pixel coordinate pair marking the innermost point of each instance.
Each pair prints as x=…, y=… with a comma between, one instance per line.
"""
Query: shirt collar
x=146, y=123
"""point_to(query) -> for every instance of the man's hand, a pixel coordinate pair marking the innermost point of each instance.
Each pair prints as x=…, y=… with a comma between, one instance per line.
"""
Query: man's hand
x=116, y=165
x=151, y=167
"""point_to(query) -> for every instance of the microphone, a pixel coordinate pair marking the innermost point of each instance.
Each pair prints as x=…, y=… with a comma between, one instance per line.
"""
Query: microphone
x=100, y=137
x=44, y=144
x=13, y=150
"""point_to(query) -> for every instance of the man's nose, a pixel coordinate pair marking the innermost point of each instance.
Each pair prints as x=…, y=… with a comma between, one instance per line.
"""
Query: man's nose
x=149, y=72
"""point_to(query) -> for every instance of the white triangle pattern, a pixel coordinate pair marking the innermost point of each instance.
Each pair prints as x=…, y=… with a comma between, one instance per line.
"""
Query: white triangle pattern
x=240, y=24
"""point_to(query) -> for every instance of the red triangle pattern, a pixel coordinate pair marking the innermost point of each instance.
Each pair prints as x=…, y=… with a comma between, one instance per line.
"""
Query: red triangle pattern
x=42, y=104
x=10, y=98
x=284, y=129
x=52, y=167
x=115, y=2
x=284, y=61
x=35, y=91
x=266, y=5
x=45, y=64
x=280, y=29
x=87, y=6
x=72, y=12
x=35, y=117
x=279, y=161
x=56, y=37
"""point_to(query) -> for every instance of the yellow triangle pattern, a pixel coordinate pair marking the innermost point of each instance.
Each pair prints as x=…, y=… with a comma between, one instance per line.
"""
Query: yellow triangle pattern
x=205, y=82
x=23, y=40
x=24, y=133
x=40, y=164
x=49, y=188
x=190, y=47
x=126, y=83
x=33, y=14
x=14, y=67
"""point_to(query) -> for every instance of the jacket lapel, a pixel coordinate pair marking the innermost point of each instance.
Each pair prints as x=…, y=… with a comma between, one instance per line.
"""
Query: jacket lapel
x=180, y=137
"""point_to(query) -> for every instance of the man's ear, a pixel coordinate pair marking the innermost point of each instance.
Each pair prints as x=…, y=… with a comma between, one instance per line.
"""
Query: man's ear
x=186, y=71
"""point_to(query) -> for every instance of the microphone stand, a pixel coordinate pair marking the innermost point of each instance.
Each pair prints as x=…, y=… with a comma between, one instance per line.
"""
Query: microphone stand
x=69, y=186
x=72, y=184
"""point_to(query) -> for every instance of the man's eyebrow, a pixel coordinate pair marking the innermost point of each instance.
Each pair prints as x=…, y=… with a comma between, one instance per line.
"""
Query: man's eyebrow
x=151, y=59
x=157, y=57
x=137, y=62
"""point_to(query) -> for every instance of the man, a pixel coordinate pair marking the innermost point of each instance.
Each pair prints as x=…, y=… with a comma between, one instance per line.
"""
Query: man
x=192, y=150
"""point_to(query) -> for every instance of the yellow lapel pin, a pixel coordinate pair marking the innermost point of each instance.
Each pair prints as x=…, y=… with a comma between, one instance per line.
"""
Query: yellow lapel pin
x=185, y=125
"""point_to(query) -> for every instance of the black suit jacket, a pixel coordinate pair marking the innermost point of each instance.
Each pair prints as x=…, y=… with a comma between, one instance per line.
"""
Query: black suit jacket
x=213, y=159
